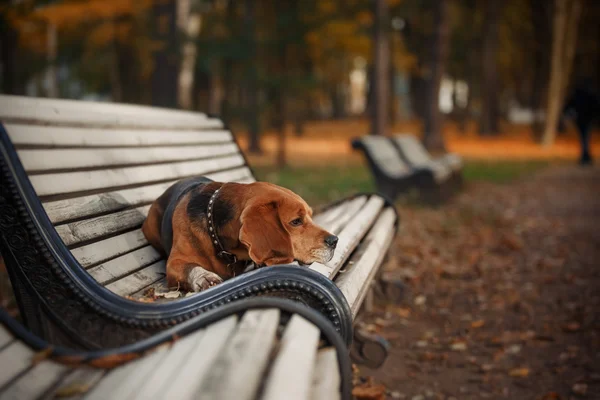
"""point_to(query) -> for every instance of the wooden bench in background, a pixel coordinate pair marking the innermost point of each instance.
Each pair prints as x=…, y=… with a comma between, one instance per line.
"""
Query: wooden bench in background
x=261, y=349
x=401, y=164
x=79, y=180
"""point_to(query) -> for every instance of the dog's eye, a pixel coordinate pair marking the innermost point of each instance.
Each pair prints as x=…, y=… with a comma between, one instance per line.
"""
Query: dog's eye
x=296, y=222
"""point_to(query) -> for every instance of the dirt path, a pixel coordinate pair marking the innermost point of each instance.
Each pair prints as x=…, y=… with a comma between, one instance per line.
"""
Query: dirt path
x=503, y=294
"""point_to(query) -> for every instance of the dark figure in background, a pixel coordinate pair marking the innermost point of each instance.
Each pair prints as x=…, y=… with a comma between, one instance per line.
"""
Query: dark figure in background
x=584, y=107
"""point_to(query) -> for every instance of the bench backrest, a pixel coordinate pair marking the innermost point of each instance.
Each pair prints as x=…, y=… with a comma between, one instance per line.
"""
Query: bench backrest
x=384, y=155
x=97, y=166
x=413, y=150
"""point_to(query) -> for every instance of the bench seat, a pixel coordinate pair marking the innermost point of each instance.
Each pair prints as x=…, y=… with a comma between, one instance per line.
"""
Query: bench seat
x=268, y=349
x=82, y=177
x=417, y=156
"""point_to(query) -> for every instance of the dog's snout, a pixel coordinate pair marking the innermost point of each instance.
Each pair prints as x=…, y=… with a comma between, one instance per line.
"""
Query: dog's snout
x=331, y=241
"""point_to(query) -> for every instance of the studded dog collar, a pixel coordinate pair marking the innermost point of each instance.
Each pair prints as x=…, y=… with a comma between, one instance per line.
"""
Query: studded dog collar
x=227, y=257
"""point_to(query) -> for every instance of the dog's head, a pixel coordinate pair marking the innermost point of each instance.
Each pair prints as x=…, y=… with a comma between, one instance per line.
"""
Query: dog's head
x=277, y=228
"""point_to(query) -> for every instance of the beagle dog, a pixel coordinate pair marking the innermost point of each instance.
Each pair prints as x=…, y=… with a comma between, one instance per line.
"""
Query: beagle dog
x=210, y=230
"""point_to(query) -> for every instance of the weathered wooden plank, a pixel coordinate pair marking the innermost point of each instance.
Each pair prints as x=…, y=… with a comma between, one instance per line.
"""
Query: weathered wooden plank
x=16, y=358
x=32, y=110
x=53, y=159
x=88, y=229
x=330, y=214
x=124, y=265
x=78, y=207
x=453, y=161
x=138, y=280
x=124, y=381
x=354, y=282
x=385, y=155
x=237, y=371
x=413, y=150
x=326, y=380
x=186, y=375
x=341, y=220
x=5, y=337
x=101, y=106
x=350, y=236
x=52, y=136
x=109, y=248
x=169, y=366
x=77, y=383
x=34, y=382
x=418, y=157
x=291, y=374
x=68, y=182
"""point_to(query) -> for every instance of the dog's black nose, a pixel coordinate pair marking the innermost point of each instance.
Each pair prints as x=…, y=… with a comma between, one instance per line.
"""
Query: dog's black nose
x=331, y=241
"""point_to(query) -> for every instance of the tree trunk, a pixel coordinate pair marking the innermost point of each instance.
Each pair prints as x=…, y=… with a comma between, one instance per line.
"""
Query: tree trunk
x=166, y=70
x=189, y=23
x=252, y=111
x=565, y=18
x=381, y=56
x=433, y=138
x=489, y=88
x=541, y=16
x=8, y=53
x=51, y=72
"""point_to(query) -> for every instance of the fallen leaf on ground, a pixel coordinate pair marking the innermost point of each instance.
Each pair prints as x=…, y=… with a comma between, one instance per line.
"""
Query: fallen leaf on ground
x=403, y=312
x=579, y=388
x=477, y=324
x=571, y=326
x=519, y=372
x=551, y=396
x=459, y=346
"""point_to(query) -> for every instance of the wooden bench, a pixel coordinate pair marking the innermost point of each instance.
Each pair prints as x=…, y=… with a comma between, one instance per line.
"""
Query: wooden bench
x=260, y=349
x=402, y=164
x=447, y=168
x=79, y=180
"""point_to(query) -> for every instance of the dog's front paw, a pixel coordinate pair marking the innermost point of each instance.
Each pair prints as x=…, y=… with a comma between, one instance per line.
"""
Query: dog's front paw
x=200, y=279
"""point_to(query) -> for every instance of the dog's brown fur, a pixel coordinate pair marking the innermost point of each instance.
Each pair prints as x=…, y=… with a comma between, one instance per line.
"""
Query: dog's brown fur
x=256, y=224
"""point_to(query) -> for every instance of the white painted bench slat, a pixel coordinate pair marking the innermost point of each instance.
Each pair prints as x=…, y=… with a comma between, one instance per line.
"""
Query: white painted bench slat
x=418, y=156
x=63, y=210
x=122, y=382
x=363, y=266
x=341, y=220
x=82, y=231
x=350, y=236
x=5, y=337
x=19, y=109
x=326, y=377
x=291, y=374
x=100, y=251
x=52, y=136
x=237, y=371
x=16, y=358
x=35, y=382
x=180, y=378
x=185, y=383
x=138, y=280
x=60, y=183
x=102, y=106
x=124, y=265
x=53, y=159
x=386, y=157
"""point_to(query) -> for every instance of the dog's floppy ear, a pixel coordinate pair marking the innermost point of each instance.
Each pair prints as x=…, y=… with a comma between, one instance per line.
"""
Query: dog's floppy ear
x=265, y=237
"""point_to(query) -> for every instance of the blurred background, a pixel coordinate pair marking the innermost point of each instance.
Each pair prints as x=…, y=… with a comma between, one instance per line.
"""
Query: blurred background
x=486, y=79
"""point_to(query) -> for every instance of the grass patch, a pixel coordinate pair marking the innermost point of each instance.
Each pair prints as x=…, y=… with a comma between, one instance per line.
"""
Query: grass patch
x=320, y=185
x=503, y=171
